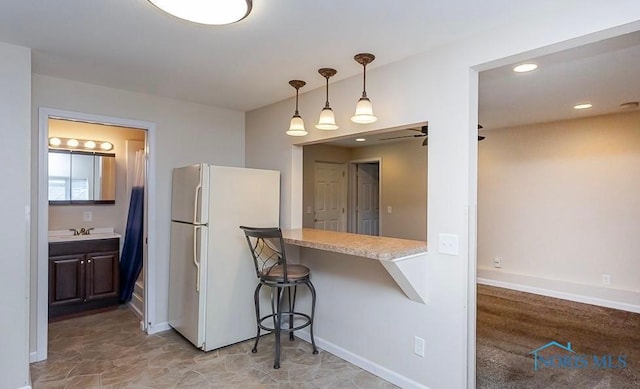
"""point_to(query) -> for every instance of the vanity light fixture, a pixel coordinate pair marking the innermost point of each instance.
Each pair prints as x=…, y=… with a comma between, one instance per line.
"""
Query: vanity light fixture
x=296, y=126
x=78, y=144
x=364, y=109
x=216, y=12
x=327, y=119
x=525, y=68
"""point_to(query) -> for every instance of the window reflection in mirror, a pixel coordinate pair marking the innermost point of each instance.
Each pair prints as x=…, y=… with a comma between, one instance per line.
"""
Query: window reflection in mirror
x=77, y=177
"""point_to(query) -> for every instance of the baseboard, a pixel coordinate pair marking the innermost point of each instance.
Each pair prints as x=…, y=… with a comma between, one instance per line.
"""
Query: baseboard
x=160, y=327
x=363, y=363
x=33, y=357
x=605, y=297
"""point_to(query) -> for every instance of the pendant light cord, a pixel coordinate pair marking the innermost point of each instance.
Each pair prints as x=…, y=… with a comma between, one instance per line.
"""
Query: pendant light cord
x=364, y=81
x=296, y=113
x=326, y=104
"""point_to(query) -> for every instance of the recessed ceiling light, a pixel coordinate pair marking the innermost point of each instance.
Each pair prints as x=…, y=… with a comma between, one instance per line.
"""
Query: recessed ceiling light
x=582, y=106
x=360, y=139
x=525, y=67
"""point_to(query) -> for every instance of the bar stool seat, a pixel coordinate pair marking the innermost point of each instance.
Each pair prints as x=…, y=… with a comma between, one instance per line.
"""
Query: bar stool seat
x=267, y=249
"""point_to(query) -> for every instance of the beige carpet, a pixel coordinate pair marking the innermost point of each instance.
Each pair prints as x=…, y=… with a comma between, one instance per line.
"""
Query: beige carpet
x=107, y=350
x=511, y=324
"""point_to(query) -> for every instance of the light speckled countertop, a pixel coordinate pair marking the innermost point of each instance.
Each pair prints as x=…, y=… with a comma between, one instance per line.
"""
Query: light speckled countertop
x=374, y=247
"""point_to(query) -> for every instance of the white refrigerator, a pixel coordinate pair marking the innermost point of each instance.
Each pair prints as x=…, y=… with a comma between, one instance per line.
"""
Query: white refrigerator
x=212, y=276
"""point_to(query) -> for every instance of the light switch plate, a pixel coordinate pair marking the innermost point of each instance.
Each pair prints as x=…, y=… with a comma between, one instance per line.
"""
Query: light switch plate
x=448, y=244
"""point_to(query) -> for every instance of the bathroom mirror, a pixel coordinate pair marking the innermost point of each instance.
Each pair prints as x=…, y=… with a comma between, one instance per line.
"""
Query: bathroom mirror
x=79, y=177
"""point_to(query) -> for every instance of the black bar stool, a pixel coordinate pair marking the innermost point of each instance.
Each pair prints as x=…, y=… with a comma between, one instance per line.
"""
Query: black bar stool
x=267, y=249
x=269, y=258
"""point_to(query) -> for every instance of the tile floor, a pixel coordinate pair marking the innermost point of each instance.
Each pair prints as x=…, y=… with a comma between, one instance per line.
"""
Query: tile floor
x=107, y=350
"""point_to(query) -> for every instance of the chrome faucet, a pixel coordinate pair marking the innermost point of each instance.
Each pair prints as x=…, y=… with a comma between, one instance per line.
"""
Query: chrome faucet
x=82, y=231
x=85, y=231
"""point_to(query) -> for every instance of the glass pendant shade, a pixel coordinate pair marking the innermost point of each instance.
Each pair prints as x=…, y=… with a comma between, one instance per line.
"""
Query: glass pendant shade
x=327, y=120
x=215, y=12
x=364, y=112
x=296, y=127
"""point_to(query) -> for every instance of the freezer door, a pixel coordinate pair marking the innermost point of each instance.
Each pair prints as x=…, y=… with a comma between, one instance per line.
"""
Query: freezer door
x=187, y=281
x=239, y=196
x=190, y=194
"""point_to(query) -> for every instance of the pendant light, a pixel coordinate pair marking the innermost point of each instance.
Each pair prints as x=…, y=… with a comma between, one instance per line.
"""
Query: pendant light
x=206, y=12
x=364, y=109
x=296, y=127
x=327, y=119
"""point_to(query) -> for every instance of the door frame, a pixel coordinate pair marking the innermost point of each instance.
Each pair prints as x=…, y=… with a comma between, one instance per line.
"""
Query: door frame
x=352, y=198
x=42, y=251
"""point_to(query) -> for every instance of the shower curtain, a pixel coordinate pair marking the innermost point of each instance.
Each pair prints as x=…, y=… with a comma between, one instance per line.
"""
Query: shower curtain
x=131, y=260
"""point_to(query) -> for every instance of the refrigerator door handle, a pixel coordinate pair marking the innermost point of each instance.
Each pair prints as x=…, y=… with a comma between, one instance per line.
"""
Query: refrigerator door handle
x=195, y=203
x=196, y=262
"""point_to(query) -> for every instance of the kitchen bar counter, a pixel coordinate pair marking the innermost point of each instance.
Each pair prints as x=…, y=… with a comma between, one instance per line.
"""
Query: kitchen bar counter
x=375, y=247
x=405, y=260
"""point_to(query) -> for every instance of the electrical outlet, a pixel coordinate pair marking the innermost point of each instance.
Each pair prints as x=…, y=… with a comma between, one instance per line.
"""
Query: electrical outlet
x=497, y=262
x=448, y=244
x=87, y=216
x=389, y=209
x=418, y=346
x=606, y=279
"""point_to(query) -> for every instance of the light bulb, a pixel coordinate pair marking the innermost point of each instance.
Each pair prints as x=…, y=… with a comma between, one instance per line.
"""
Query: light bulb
x=55, y=141
x=73, y=143
x=106, y=146
x=90, y=144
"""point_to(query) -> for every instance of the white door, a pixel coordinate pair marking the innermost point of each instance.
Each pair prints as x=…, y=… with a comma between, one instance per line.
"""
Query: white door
x=368, y=207
x=187, y=281
x=329, y=197
x=190, y=185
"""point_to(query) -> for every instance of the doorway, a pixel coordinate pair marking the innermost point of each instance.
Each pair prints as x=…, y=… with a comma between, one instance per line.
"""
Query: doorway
x=364, y=212
x=41, y=297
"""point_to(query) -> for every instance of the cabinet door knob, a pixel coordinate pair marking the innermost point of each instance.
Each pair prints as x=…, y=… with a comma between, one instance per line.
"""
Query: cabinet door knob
x=82, y=262
x=89, y=261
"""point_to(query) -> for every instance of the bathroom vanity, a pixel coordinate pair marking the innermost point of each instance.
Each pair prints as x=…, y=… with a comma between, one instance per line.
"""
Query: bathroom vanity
x=83, y=273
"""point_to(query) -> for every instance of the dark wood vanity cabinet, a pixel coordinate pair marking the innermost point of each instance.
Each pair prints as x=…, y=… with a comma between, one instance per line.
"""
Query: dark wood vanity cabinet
x=83, y=275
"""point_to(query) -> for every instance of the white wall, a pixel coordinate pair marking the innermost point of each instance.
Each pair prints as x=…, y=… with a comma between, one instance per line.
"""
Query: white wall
x=559, y=201
x=438, y=87
x=15, y=103
x=62, y=217
x=187, y=133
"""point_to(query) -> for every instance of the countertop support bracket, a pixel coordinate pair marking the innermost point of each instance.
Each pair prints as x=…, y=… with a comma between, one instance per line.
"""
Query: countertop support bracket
x=410, y=273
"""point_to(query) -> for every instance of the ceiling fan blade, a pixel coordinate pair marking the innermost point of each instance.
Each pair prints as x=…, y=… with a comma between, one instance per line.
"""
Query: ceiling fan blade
x=425, y=142
x=404, y=136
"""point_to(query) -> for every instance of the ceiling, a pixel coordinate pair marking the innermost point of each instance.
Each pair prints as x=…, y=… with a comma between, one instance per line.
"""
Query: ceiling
x=131, y=45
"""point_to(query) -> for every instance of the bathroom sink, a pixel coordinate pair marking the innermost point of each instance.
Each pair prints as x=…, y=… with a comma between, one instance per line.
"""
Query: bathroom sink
x=67, y=236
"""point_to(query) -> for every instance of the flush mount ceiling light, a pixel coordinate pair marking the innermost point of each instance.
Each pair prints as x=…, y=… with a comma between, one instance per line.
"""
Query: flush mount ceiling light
x=327, y=119
x=296, y=127
x=364, y=109
x=582, y=106
x=525, y=67
x=216, y=12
